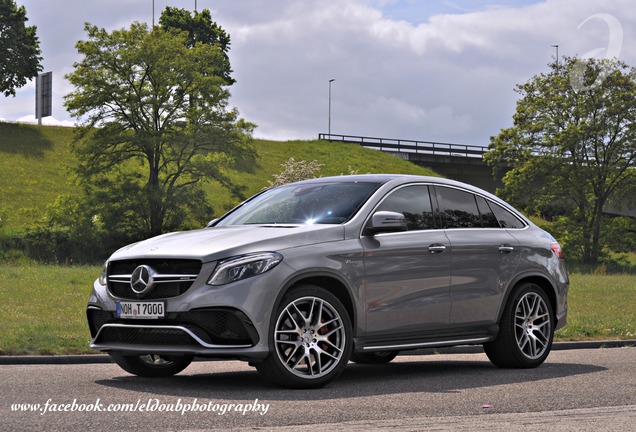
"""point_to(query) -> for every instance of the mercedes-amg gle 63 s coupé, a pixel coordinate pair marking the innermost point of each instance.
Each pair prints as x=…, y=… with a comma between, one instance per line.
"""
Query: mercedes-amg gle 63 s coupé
x=303, y=278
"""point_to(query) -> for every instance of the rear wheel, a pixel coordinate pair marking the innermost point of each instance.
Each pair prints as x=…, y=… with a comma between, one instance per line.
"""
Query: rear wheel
x=310, y=340
x=526, y=330
x=152, y=365
x=379, y=357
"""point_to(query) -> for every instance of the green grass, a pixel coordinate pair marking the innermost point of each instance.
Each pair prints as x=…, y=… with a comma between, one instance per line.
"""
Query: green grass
x=36, y=162
x=600, y=307
x=42, y=308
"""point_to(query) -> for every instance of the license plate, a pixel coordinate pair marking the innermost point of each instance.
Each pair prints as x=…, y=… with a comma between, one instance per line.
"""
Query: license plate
x=140, y=310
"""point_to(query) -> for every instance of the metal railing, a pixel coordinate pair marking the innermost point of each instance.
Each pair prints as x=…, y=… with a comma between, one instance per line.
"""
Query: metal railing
x=409, y=146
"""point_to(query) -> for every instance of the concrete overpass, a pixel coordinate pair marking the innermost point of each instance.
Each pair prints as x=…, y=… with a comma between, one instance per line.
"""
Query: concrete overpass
x=455, y=161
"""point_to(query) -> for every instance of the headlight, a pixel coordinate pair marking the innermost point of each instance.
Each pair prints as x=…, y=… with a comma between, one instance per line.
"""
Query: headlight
x=102, y=277
x=244, y=266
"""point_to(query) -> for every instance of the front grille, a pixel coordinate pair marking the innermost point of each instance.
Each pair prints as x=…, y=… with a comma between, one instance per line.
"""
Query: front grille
x=173, y=277
x=146, y=336
x=216, y=326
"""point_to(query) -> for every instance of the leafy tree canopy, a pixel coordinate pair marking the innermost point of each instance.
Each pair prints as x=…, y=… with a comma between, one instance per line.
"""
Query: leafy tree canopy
x=573, y=144
x=200, y=29
x=19, y=48
x=154, y=125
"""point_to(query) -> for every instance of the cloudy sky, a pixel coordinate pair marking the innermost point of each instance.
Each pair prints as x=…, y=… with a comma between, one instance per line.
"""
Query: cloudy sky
x=431, y=70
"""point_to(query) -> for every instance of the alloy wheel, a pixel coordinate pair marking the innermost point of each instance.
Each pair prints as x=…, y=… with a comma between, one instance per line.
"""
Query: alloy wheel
x=309, y=337
x=533, y=325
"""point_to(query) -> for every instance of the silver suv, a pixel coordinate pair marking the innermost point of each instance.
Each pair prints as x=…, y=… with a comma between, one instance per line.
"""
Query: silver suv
x=302, y=278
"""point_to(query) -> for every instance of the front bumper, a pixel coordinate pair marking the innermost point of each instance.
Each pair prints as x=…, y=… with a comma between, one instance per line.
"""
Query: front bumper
x=229, y=321
x=198, y=331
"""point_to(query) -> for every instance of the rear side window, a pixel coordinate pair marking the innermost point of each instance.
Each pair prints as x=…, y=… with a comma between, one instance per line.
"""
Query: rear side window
x=488, y=218
x=505, y=218
x=463, y=209
x=414, y=202
x=458, y=208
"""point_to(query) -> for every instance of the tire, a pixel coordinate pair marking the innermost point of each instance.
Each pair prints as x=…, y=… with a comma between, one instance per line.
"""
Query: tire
x=310, y=339
x=526, y=330
x=152, y=365
x=379, y=357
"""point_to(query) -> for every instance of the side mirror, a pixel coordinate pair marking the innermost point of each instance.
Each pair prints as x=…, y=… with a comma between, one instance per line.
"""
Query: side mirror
x=211, y=223
x=386, y=221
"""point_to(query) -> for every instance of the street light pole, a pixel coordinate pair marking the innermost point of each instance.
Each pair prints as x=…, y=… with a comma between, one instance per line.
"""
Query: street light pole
x=557, y=55
x=329, y=128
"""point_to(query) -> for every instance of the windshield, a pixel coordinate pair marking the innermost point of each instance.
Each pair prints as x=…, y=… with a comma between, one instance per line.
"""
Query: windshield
x=317, y=203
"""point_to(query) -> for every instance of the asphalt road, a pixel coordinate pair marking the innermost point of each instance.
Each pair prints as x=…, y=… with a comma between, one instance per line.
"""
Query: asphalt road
x=575, y=390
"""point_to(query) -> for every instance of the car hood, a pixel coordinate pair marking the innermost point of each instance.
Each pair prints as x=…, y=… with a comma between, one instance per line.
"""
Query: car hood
x=210, y=244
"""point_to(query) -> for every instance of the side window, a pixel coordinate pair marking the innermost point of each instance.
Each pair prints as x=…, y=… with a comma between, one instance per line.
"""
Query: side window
x=505, y=218
x=414, y=202
x=458, y=208
x=488, y=218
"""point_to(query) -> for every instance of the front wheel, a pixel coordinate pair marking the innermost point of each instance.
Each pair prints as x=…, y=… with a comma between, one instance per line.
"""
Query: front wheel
x=310, y=339
x=526, y=330
x=152, y=365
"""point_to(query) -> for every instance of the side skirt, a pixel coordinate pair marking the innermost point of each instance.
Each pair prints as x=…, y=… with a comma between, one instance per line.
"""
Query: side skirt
x=429, y=340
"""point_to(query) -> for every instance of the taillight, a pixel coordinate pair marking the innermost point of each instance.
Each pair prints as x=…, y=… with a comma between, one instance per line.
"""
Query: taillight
x=556, y=248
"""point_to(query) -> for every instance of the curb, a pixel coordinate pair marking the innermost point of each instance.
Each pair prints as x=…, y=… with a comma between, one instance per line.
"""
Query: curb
x=470, y=349
x=55, y=359
x=556, y=346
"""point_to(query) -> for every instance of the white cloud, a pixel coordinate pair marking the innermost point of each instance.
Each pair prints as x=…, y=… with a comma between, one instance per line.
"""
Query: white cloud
x=412, y=69
x=47, y=121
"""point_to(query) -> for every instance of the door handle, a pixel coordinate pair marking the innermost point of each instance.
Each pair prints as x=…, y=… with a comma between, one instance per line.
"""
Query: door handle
x=505, y=248
x=436, y=248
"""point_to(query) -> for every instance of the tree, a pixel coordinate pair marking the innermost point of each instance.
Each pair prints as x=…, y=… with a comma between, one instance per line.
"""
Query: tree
x=573, y=144
x=19, y=48
x=154, y=124
x=200, y=29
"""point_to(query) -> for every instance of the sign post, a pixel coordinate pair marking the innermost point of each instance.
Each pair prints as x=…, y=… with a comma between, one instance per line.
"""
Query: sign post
x=43, y=95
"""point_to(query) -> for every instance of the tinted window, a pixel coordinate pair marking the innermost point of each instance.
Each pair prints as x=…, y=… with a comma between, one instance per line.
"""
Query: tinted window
x=458, y=208
x=414, y=202
x=505, y=218
x=488, y=218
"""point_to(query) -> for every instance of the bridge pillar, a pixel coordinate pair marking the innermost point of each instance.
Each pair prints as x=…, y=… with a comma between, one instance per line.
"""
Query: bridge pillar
x=465, y=169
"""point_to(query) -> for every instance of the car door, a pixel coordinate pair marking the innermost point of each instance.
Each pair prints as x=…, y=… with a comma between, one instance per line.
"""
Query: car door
x=483, y=260
x=407, y=273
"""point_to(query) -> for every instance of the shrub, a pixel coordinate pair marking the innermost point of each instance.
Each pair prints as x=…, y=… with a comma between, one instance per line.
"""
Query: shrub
x=295, y=171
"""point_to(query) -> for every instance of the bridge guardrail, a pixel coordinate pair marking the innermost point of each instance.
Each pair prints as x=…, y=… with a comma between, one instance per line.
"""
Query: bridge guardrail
x=409, y=146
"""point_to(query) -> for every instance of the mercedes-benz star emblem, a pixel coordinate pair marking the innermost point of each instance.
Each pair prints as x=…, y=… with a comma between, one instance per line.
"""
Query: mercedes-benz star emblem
x=141, y=279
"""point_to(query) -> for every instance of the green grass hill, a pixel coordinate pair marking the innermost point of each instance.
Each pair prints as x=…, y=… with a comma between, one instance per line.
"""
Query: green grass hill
x=36, y=162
